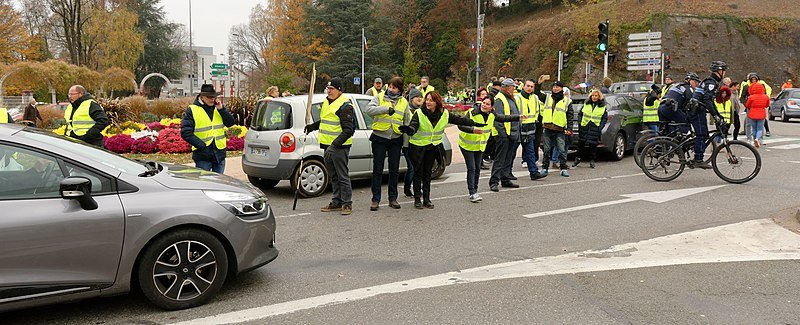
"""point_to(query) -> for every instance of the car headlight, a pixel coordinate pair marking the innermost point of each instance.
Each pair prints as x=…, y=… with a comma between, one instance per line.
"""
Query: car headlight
x=243, y=205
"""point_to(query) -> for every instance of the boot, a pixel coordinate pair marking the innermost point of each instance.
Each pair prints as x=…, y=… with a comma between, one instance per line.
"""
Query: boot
x=577, y=161
x=591, y=164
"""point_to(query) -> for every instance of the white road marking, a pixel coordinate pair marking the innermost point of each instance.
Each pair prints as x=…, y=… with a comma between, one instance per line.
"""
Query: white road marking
x=455, y=178
x=757, y=240
x=654, y=197
x=787, y=146
x=294, y=215
x=794, y=162
x=771, y=141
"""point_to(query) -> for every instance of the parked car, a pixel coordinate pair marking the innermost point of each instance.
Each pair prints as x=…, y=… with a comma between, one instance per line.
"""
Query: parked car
x=622, y=127
x=275, y=143
x=786, y=105
x=81, y=222
x=631, y=88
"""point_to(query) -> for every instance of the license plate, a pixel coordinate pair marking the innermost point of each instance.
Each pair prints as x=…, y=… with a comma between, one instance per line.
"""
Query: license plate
x=259, y=152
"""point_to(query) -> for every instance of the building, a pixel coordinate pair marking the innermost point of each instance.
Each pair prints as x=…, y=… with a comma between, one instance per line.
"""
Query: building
x=204, y=57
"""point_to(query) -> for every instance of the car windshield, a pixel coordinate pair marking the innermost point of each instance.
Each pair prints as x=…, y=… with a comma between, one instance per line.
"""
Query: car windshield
x=272, y=115
x=93, y=153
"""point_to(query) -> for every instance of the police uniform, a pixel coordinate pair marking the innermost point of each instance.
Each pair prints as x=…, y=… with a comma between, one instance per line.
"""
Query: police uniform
x=705, y=93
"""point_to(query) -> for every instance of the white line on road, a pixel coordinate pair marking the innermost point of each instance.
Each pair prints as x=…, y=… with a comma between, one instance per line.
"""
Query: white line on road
x=792, y=161
x=294, y=215
x=756, y=240
x=771, y=141
x=787, y=146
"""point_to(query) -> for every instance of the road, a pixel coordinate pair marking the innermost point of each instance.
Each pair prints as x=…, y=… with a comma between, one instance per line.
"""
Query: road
x=704, y=252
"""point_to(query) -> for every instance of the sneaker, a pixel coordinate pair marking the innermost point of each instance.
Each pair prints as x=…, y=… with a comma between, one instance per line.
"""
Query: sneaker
x=428, y=205
x=577, y=161
x=408, y=192
x=564, y=173
x=543, y=172
x=484, y=167
x=512, y=177
x=347, y=210
x=591, y=164
x=756, y=143
x=478, y=198
x=394, y=205
x=768, y=134
x=701, y=164
x=330, y=207
x=536, y=176
x=494, y=188
x=417, y=204
x=374, y=206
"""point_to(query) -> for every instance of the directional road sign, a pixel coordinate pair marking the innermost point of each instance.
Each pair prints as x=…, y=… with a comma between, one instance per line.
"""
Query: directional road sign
x=219, y=66
x=645, y=43
x=219, y=72
x=644, y=55
x=645, y=62
x=643, y=67
x=649, y=48
x=356, y=80
x=643, y=36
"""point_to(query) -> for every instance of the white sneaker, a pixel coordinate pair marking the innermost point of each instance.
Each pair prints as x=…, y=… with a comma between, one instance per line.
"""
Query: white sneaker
x=478, y=198
x=474, y=198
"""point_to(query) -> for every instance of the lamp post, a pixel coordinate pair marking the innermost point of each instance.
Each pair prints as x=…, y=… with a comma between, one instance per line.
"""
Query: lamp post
x=192, y=74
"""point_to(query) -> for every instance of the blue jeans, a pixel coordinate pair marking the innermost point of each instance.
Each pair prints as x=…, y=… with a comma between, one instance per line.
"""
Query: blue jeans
x=473, y=161
x=652, y=126
x=530, y=154
x=554, y=140
x=211, y=166
x=758, y=129
x=382, y=148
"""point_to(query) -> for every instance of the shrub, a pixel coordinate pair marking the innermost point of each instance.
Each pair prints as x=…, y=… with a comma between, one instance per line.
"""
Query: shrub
x=137, y=105
x=52, y=116
x=120, y=143
x=145, y=145
x=116, y=110
x=148, y=117
x=127, y=127
x=170, y=141
x=235, y=143
x=170, y=108
x=236, y=131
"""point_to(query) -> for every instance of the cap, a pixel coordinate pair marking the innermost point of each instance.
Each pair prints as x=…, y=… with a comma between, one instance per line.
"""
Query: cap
x=508, y=82
x=559, y=83
x=414, y=92
x=378, y=80
x=336, y=82
x=496, y=83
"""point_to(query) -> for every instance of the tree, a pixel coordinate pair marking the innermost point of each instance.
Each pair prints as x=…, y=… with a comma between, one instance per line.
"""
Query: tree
x=15, y=42
x=294, y=45
x=71, y=17
x=37, y=21
x=249, y=42
x=164, y=45
x=118, y=42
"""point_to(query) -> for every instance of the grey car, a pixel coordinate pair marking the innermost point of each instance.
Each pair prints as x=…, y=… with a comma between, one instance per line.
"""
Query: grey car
x=631, y=88
x=786, y=105
x=622, y=128
x=81, y=222
x=275, y=143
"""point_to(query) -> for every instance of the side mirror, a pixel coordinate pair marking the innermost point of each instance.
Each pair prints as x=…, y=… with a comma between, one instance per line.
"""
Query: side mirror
x=79, y=189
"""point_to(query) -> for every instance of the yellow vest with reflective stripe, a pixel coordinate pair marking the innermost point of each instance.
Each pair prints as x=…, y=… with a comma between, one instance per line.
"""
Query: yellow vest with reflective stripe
x=592, y=115
x=382, y=122
x=650, y=113
x=426, y=90
x=665, y=89
x=427, y=133
x=81, y=121
x=329, y=124
x=555, y=114
x=529, y=107
x=3, y=115
x=724, y=109
x=208, y=130
x=506, y=111
x=476, y=142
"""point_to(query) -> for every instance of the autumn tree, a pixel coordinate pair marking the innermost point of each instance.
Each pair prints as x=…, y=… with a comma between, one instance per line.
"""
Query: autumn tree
x=113, y=38
x=163, y=45
x=16, y=44
x=294, y=47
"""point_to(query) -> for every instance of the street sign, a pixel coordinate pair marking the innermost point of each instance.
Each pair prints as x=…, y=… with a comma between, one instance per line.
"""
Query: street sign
x=644, y=36
x=643, y=67
x=356, y=80
x=219, y=66
x=645, y=43
x=219, y=72
x=221, y=78
x=649, y=48
x=644, y=55
x=645, y=62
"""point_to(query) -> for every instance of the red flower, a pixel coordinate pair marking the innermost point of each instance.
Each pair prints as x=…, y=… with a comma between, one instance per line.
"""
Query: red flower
x=120, y=143
x=170, y=141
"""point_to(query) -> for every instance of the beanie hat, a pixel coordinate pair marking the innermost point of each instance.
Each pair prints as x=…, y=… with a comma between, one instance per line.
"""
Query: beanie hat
x=414, y=92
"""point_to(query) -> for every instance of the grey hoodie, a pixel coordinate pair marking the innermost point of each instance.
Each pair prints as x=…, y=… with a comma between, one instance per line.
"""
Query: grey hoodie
x=374, y=108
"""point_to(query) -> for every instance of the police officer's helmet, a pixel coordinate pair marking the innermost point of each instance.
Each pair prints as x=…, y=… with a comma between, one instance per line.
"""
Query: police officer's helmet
x=717, y=66
x=692, y=76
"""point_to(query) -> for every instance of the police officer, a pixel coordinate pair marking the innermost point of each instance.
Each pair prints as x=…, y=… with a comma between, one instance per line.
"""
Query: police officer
x=702, y=101
x=672, y=107
x=650, y=112
x=203, y=126
x=85, y=118
x=336, y=127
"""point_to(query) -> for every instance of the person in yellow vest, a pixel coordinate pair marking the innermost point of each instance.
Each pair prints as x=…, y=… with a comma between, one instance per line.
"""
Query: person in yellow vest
x=737, y=108
x=592, y=119
x=508, y=138
x=389, y=110
x=203, y=126
x=276, y=118
x=5, y=116
x=272, y=93
x=424, y=86
x=415, y=101
x=650, y=108
x=668, y=82
x=426, y=130
x=530, y=106
x=85, y=118
x=336, y=127
x=377, y=87
x=744, y=92
x=556, y=122
x=472, y=141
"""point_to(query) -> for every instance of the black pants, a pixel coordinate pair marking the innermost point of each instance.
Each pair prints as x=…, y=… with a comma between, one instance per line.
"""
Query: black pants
x=422, y=158
x=584, y=149
x=736, y=125
x=504, y=151
x=489, y=152
x=473, y=161
x=382, y=148
x=766, y=125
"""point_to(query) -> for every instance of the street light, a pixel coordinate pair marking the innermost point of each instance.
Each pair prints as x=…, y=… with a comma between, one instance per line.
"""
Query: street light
x=192, y=74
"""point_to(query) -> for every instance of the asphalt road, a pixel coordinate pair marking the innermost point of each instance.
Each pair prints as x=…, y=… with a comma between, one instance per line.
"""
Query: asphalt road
x=715, y=256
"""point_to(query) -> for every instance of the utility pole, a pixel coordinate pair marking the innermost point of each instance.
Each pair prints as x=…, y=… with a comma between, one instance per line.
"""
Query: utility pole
x=478, y=46
x=363, y=47
x=193, y=65
x=560, y=65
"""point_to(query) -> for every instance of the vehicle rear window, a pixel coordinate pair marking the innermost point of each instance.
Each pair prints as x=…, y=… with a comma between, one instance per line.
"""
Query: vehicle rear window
x=796, y=94
x=272, y=115
x=362, y=104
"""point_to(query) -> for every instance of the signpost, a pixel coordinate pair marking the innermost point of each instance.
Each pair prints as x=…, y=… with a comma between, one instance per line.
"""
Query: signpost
x=356, y=81
x=644, y=52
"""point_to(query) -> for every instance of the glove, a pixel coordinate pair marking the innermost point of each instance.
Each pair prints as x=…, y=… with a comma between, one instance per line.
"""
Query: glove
x=405, y=129
x=718, y=119
x=694, y=105
x=308, y=129
x=391, y=111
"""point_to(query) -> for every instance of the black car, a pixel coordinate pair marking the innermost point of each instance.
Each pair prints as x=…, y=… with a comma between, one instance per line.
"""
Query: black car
x=622, y=128
x=631, y=88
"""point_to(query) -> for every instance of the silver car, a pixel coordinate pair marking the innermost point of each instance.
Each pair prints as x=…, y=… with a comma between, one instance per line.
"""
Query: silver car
x=275, y=144
x=81, y=222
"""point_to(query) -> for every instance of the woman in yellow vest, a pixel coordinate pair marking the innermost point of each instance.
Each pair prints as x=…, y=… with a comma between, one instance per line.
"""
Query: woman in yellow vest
x=592, y=119
x=472, y=141
x=426, y=130
x=389, y=110
x=203, y=126
x=650, y=108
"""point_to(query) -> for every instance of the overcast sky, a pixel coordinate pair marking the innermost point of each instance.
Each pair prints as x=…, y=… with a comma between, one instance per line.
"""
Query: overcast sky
x=211, y=19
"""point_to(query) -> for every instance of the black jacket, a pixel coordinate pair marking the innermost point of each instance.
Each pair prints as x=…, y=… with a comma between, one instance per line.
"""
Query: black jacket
x=203, y=152
x=347, y=120
x=556, y=97
x=590, y=134
x=93, y=136
x=498, y=118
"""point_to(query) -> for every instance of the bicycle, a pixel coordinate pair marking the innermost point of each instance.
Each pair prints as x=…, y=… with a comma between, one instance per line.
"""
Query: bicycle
x=665, y=158
x=647, y=136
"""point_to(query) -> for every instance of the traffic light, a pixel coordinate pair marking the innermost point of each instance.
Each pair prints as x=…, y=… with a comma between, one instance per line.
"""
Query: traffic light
x=602, y=37
x=666, y=62
x=564, y=59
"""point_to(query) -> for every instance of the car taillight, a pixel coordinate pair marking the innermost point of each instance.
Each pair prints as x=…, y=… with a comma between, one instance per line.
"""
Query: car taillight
x=287, y=142
x=608, y=119
x=792, y=103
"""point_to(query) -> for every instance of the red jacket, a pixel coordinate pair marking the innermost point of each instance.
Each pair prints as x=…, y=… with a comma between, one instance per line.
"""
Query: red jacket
x=757, y=103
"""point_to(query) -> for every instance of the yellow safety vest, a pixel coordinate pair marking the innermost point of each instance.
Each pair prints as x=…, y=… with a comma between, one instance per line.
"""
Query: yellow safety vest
x=329, y=124
x=650, y=114
x=529, y=107
x=427, y=133
x=208, y=130
x=80, y=122
x=426, y=90
x=724, y=109
x=747, y=83
x=665, y=89
x=506, y=111
x=382, y=122
x=592, y=115
x=476, y=142
x=3, y=115
x=555, y=113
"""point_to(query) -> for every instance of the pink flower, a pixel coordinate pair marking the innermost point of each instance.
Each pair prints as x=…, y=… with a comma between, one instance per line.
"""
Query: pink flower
x=235, y=143
x=121, y=143
x=170, y=141
x=145, y=145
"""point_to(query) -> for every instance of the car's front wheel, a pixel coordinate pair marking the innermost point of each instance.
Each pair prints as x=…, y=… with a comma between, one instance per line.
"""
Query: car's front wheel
x=182, y=269
x=313, y=178
x=784, y=118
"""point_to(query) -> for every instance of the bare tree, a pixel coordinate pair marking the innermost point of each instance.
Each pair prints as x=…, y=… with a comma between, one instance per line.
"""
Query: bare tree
x=249, y=42
x=71, y=17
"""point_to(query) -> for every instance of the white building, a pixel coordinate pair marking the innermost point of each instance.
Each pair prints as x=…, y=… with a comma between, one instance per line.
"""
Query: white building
x=204, y=57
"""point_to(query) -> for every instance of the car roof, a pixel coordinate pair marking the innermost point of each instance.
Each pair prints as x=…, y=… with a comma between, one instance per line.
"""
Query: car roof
x=9, y=129
x=635, y=82
x=301, y=99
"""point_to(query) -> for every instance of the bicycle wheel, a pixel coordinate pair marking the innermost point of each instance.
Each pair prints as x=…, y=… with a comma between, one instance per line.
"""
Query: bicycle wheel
x=639, y=146
x=737, y=162
x=662, y=160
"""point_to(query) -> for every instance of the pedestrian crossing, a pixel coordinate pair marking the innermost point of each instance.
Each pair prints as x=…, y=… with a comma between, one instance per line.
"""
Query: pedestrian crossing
x=782, y=141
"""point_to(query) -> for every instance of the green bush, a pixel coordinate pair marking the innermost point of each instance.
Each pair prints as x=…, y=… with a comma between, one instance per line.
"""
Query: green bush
x=148, y=117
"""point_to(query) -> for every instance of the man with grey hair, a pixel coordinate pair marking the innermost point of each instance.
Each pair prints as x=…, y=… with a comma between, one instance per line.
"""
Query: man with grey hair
x=508, y=137
x=85, y=118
